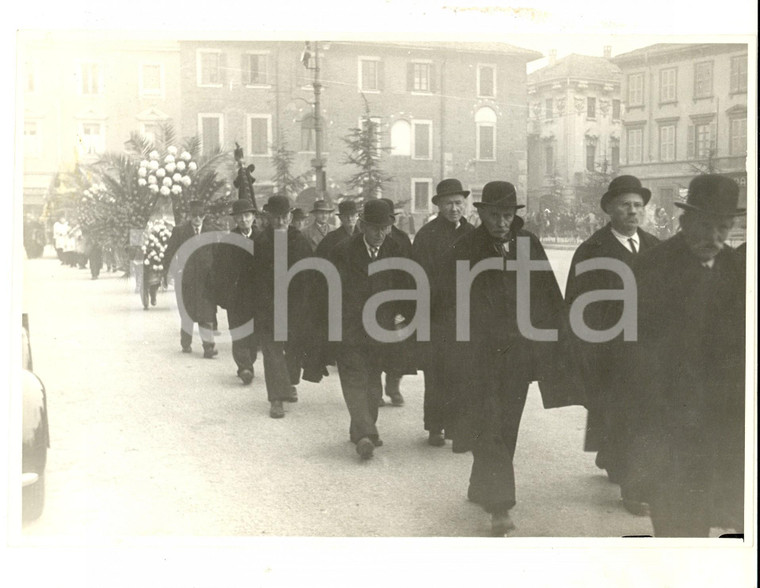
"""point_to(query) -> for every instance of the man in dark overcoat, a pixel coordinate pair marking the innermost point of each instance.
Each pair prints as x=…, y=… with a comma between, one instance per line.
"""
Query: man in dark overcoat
x=361, y=358
x=430, y=244
x=621, y=239
x=195, y=274
x=233, y=287
x=349, y=216
x=282, y=359
x=489, y=374
x=682, y=387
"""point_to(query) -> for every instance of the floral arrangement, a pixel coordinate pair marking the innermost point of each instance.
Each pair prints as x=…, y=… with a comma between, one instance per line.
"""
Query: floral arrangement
x=154, y=247
x=168, y=176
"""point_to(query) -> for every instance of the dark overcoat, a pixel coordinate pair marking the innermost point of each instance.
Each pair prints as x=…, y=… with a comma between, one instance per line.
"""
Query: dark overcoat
x=682, y=382
x=494, y=334
x=232, y=281
x=594, y=362
x=331, y=240
x=195, y=273
x=263, y=275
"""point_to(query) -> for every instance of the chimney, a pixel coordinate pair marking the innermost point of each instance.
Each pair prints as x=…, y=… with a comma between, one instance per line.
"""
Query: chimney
x=552, y=57
x=607, y=51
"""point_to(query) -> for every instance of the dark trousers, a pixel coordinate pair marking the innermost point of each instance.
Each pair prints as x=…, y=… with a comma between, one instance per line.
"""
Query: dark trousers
x=361, y=381
x=206, y=331
x=492, y=480
x=437, y=406
x=243, y=349
x=281, y=367
x=392, y=383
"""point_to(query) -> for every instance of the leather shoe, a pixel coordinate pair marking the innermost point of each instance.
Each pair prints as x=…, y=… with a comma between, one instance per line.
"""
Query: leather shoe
x=377, y=442
x=293, y=395
x=246, y=376
x=365, y=448
x=501, y=524
x=210, y=353
x=276, y=411
x=187, y=349
x=435, y=438
x=381, y=401
x=397, y=400
x=636, y=508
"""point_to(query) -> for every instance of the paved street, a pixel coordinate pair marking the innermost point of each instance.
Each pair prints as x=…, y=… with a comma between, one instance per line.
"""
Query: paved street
x=146, y=440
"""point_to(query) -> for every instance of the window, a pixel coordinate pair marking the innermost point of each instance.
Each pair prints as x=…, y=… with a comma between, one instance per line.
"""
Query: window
x=401, y=138
x=636, y=89
x=591, y=157
x=259, y=134
x=739, y=74
x=91, y=138
x=31, y=138
x=549, y=160
x=590, y=107
x=210, y=68
x=308, y=133
x=701, y=140
x=738, y=136
x=667, y=143
x=616, y=109
x=419, y=77
x=485, y=130
x=635, y=145
x=421, y=193
x=90, y=78
x=370, y=74
x=549, y=108
x=703, y=79
x=255, y=69
x=615, y=157
x=487, y=81
x=210, y=126
x=422, y=139
x=151, y=79
x=153, y=132
x=668, y=85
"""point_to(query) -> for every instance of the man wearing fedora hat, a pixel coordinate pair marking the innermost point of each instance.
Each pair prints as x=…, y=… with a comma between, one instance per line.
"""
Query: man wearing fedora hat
x=430, y=244
x=349, y=217
x=317, y=230
x=233, y=287
x=684, y=408
x=199, y=306
x=622, y=239
x=299, y=219
x=282, y=359
x=489, y=374
x=361, y=359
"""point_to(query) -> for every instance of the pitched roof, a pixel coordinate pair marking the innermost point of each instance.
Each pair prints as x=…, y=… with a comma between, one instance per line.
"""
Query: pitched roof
x=585, y=67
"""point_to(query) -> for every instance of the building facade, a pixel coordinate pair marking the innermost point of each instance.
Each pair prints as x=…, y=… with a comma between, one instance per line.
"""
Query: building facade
x=685, y=114
x=444, y=109
x=81, y=97
x=574, y=125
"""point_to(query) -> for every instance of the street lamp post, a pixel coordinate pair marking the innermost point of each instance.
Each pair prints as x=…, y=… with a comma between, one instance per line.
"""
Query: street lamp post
x=317, y=163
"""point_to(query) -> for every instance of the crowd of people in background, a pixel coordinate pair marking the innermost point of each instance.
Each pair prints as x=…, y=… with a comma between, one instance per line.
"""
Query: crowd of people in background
x=665, y=410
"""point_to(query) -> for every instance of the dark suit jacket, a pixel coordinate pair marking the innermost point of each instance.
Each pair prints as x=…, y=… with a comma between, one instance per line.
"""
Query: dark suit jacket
x=232, y=278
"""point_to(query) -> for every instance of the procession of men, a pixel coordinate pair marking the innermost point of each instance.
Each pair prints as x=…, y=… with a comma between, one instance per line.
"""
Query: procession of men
x=484, y=317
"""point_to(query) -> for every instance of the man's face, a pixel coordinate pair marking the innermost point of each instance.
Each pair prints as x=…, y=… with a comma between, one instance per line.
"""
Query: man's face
x=375, y=234
x=349, y=220
x=299, y=224
x=196, y=217
x=244, y=221
x=626, y=212
x=280, y=222
x=705, y=234
x=497, y=220
x=452, y=207
x=321, y=217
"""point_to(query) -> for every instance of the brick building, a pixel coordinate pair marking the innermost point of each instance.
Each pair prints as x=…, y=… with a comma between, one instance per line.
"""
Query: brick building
x=685, y=113
x=573, y=130
x=444, y=109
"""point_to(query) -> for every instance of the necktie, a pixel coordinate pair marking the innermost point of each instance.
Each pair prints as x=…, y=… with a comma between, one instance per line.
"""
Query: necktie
x=501, y=247
x=373, y=252
x=197, y=231
x=632, y=243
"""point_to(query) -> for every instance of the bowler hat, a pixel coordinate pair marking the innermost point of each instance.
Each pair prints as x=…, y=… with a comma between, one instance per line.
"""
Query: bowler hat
x=499, y=194
x=321, y=206
x=196, y=204
x=299, y=214
x=377, y=212
x=242, y=205
x=713, y=194
x=278, y=205
x=449, y=187
x=624, y=185
x=347, y=207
